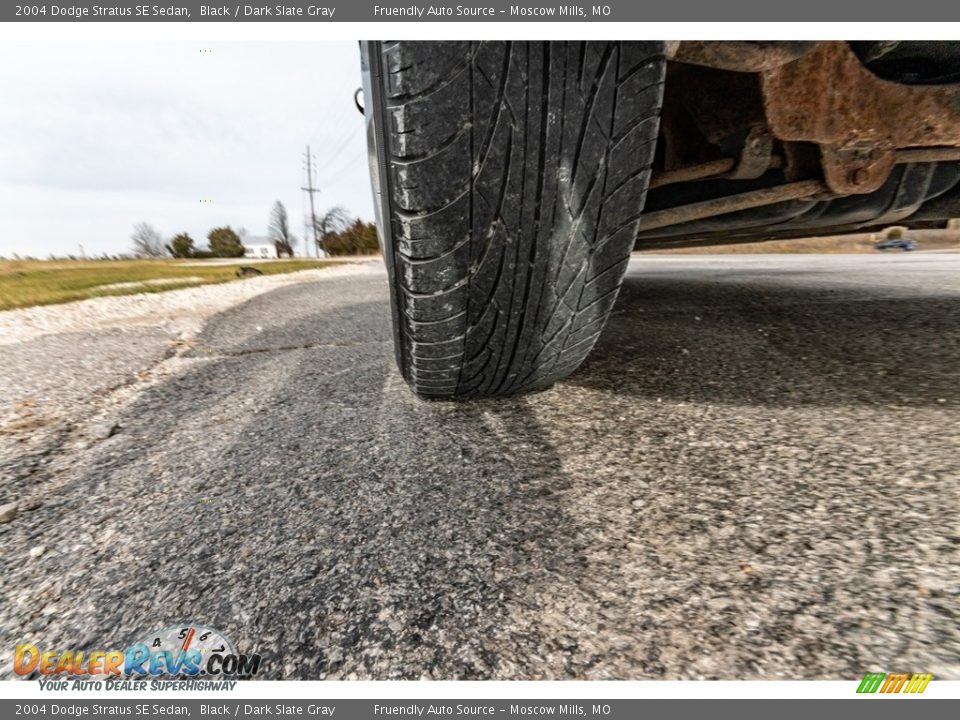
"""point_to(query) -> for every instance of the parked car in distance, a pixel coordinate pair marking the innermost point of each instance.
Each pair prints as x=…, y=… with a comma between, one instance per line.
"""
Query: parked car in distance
x=896, y=244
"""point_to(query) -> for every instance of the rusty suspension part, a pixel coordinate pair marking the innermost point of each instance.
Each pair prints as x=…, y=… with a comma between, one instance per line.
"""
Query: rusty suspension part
x=851, y=126
x=826, y=96
x=803, y=190
x=712, y=170
x=926, y=155
x=716, y=169
x=692, y=172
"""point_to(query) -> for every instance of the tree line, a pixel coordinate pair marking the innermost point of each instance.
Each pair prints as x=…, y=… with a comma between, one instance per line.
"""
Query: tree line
x=336, y=232
x=339, y=234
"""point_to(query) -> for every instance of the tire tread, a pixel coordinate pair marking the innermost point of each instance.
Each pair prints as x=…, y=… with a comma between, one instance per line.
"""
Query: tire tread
x=517, y=173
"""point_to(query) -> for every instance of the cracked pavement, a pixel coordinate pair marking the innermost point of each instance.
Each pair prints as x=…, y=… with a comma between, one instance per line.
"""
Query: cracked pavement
x=754, y=475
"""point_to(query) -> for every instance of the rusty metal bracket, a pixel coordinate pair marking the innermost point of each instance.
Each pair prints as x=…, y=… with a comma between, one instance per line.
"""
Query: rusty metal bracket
x=827, y=97
x=858, y=167
x=755, y=155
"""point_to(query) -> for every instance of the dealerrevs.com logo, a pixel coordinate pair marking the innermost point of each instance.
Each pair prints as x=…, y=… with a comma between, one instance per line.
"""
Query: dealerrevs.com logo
x=187, y=651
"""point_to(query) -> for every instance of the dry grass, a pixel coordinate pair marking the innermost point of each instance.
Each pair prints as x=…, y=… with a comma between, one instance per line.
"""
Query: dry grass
x=855, y=243
x=37, y=282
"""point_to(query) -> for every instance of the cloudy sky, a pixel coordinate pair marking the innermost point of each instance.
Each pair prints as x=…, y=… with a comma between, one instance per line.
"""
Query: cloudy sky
x=95, y=138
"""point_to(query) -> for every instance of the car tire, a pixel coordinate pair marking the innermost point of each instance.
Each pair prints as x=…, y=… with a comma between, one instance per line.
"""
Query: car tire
x=510, y=178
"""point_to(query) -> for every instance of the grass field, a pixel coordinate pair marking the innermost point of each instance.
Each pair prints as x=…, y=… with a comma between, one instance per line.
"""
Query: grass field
x=36, y=282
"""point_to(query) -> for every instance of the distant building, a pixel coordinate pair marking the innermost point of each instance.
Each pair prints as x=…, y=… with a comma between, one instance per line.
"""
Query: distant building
x=259, y=248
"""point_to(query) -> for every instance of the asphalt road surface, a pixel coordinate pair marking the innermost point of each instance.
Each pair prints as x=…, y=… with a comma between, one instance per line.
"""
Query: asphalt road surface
x=756, y=474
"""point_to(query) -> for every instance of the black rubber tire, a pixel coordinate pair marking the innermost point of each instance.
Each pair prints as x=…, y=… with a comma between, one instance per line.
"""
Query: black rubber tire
x=513, y=176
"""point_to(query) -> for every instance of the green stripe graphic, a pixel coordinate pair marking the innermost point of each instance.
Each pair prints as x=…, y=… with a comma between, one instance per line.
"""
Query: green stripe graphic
x=871, y=682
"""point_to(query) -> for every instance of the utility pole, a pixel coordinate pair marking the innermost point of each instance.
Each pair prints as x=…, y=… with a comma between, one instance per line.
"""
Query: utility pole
x=310, y=190
x=306, y=229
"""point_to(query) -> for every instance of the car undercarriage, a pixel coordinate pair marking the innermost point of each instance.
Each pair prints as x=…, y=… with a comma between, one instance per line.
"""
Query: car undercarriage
x=769, y=140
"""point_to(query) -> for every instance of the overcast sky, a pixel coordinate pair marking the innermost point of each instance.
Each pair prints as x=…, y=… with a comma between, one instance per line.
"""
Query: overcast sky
x=95, y=138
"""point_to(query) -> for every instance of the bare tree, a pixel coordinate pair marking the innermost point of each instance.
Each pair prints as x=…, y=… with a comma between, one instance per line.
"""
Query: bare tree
x=147, y=241
x=333, y=221
x=279, y=230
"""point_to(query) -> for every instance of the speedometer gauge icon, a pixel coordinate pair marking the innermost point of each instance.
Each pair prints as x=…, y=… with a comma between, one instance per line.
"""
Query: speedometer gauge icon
x=199, y=641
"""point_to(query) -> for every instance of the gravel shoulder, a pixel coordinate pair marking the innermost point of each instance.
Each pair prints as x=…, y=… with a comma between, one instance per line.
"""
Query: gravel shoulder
x=176, y=311
x=68, y=369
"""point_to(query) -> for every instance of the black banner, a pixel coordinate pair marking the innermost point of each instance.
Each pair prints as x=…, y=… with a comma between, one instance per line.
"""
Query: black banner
x=618, y=11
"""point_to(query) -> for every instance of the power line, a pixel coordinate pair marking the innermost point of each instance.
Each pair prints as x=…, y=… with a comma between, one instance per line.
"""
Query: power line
x=353, y=162
x=343, y=146
x=342, y=89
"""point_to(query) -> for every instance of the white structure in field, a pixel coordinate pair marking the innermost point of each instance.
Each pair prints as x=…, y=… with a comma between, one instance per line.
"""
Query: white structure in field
x=259, y=248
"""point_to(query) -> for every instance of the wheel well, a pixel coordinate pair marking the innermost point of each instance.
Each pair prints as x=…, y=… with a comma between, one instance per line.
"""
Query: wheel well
x=755, y=134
